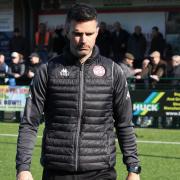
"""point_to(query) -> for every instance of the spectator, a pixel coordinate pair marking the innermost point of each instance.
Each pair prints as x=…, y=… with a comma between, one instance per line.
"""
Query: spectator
x=16, y=69
x=3, y=76
x=175, y=71
x=33, y=66
x=119, y=42
x=103, y=40
x=158, y=42
x=58, y=41
x=168, y=52
x=18, y=43
x=128, y=67
x=155, y=68
x=3, y=70
x=137, y=46
x=43, y=42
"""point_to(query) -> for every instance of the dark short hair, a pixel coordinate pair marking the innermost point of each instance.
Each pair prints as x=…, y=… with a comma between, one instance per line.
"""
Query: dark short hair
x=81, y=12
x=1, y=53
x=16, y=30
x=155, y=28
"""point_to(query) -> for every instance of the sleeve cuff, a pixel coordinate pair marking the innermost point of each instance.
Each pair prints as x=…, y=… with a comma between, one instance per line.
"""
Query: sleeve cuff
x=23, y=167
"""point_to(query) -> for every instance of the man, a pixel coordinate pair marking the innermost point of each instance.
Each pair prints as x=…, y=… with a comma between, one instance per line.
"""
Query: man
x=128, y=67
x=82, y=95
x=16, y=69
x=158, y=42
x=18, y=43
x=119, y=42
x=32, y=67
x=155, y=68
x=137, y=46
x=3, y=76
x=175, y=71
x=43, y=42
x=103, y=39
x=3, y=69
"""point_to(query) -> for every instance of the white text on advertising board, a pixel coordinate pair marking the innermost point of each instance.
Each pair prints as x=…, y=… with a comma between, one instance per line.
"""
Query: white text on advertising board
x=147, y=107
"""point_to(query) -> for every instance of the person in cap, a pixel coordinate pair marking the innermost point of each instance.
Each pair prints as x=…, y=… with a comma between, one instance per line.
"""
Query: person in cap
x=16, y=69
x=83, y=96
x=128, y=67
x=33, y=66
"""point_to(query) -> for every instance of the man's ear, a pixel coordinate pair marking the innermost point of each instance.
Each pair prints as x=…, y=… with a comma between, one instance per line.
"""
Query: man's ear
x=97, y=30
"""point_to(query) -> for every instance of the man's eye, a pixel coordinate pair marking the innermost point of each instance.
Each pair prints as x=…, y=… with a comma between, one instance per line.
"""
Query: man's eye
x=89, y=34
x=77, y=34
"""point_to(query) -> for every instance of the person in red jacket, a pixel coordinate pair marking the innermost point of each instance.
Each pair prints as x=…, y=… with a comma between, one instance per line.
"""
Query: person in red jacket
x=43, y=42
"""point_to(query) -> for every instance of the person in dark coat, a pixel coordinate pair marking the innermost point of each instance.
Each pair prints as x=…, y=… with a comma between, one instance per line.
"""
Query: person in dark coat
x=3, y=69
x=137, y=46
x=154, y=68
x=18, y=43
x=3, y=76
x=158, y=42
x=103, y=40
x=32, y=67
x=58, y=41
x=175, y=71
x=84, y=96
x=119, y=40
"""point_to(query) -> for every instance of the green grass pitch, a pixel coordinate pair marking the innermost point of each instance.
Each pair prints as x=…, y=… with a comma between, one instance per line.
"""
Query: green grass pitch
x=159, y=155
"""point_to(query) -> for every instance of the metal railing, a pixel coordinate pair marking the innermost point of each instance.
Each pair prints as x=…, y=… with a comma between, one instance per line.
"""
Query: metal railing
x=165, y=83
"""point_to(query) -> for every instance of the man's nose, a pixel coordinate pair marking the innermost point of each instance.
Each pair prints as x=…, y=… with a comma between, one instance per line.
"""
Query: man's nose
x=83, y=38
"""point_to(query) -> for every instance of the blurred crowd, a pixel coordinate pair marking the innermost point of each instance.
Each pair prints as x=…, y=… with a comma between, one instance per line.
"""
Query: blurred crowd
x=140, y=62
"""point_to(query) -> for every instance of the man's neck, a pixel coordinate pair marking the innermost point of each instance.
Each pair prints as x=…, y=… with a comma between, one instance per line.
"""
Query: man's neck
x=83, y=59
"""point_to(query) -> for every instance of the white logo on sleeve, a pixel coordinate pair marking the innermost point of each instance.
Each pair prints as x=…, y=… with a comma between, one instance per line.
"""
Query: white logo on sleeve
x=128, y=95
x=64, y=72
x=99, y=70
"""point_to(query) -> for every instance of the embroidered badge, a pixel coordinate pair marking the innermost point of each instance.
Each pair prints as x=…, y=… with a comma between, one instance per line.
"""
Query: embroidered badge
x=99, y=70
x=64, y=72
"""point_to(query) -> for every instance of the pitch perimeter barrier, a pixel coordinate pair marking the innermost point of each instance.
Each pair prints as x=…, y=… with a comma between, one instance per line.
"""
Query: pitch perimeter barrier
x=149, y=105
x=156, y=105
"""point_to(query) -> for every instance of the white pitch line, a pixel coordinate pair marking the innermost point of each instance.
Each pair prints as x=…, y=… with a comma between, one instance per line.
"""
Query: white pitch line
x=14, y=135
x=139, y=141
x=158, y=142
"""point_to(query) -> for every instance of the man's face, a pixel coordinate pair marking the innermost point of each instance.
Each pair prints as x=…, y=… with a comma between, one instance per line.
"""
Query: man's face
x=82, y=36
x=155, y=60
x=34, y=60
x=137, y=30
x=175, y=62
x=154, y=32
x=15, y=59
x=130, y=62
x=2, y=58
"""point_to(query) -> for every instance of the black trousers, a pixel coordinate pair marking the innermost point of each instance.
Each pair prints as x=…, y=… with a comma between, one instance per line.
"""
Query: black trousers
x=107, y=174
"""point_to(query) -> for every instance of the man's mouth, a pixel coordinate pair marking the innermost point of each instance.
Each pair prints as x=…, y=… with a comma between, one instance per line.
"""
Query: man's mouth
x=83, y=48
